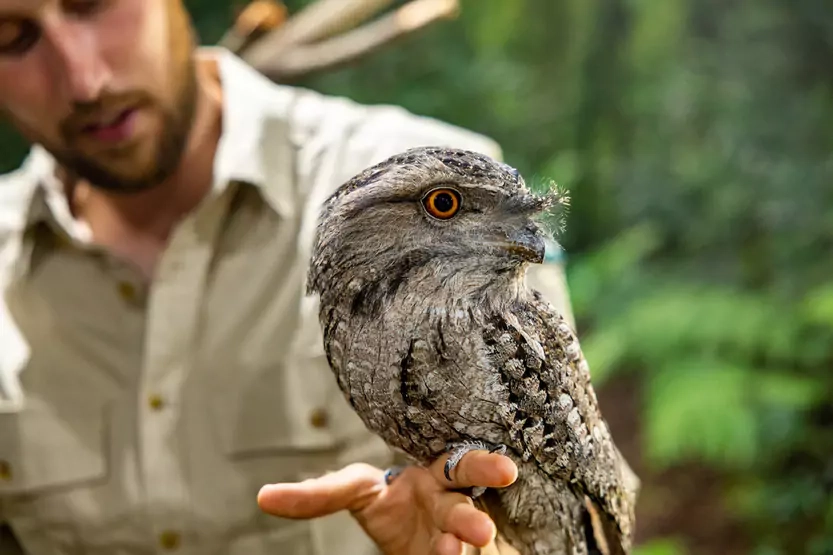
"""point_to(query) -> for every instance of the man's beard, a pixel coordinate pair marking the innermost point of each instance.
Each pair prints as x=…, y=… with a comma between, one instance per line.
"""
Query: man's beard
x=175, y=131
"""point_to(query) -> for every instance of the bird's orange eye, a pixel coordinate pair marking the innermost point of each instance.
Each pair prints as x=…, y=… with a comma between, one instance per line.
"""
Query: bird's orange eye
x=441, y=203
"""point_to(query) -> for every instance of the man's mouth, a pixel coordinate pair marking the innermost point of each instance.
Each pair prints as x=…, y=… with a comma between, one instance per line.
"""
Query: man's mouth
x=112, y=128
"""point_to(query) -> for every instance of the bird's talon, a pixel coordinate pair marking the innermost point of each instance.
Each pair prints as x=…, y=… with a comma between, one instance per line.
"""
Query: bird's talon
x=498, y=449
x=457, y=452
x=477, y=491
x=391, y=474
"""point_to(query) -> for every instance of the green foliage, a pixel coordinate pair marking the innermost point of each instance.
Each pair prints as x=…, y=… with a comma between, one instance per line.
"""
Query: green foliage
x=735, y=378
x=700, y=409
x=665, y=546
x=713, y=355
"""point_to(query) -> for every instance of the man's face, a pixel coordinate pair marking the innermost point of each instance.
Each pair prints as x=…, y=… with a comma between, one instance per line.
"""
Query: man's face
x=107, y=86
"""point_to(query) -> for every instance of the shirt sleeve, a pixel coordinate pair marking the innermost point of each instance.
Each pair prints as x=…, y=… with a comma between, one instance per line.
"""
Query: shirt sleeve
x=340, y=137
x=389, y=130
x=13, y=347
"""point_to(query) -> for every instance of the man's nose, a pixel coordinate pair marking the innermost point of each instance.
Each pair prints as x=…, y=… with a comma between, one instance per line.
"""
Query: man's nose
x=78, y=67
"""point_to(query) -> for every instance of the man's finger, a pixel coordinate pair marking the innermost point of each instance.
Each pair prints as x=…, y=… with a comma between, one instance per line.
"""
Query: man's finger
x=350, y=488
x=454, y=513
x=476, y=468
x=447, y=544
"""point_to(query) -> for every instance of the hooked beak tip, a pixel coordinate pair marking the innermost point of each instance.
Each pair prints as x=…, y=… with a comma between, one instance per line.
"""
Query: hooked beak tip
x=528, y=244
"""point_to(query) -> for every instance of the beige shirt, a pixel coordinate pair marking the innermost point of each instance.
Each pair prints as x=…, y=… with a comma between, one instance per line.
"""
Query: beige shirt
x=138, y=420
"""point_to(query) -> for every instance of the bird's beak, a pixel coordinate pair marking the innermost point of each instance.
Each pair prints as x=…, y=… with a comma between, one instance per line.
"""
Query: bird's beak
x=528, y=244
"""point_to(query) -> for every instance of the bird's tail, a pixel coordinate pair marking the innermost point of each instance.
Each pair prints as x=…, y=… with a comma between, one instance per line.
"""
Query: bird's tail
x=612, y=534
x=603, y=534
x=597, y=536
x=540, y=516
x=514, y=538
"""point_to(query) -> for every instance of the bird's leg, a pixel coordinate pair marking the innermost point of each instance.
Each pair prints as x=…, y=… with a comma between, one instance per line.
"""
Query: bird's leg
x=456, y=453
x=391, y=473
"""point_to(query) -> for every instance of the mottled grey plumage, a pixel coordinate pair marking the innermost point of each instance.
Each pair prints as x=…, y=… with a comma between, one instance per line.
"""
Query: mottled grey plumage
x=440, y=346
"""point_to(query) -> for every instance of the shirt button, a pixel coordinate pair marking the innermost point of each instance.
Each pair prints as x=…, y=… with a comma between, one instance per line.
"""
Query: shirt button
x=127, y=291
x=5, y=471
x=156, y=402
x=318, y=418
x=169, y=539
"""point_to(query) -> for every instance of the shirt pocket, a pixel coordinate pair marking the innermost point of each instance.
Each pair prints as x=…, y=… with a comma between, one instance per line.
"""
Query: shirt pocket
x=296, y=540
x=42, y=448
x=330, y=535
x=51, y=464
x=293, y=411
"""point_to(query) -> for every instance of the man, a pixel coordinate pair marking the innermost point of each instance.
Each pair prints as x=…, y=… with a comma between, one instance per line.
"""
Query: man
x=159, y=361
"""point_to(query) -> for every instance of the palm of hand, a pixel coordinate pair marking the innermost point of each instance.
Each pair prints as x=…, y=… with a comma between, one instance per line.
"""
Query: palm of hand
x=415, y=512
x=418, y=513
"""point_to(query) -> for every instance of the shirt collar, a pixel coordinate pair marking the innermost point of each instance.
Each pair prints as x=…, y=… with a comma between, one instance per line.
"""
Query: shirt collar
x=249, y=101
x=246, y=96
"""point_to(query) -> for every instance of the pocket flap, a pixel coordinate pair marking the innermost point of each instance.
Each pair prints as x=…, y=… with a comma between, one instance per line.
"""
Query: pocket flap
x=40, y=448
x=289, y=407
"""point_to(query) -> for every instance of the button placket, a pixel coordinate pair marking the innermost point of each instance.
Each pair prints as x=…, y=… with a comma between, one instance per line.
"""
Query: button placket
x=173, y=313
x=169, y=540
x=319, y=418
x=155, y=402
x=127, y=291
x=163, y=443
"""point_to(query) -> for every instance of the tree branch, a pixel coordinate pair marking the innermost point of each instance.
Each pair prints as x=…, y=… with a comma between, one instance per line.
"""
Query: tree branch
x=254, y=21
x=296, y=59
x=318, y=21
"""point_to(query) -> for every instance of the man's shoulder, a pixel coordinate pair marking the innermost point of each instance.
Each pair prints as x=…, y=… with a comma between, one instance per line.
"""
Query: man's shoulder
x=317, y=119
x=383, y=127
x=327, y=127
x=337, y=137
x=16, y=189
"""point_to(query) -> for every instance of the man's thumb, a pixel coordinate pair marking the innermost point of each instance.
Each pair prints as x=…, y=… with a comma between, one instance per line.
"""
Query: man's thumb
x=351, y=488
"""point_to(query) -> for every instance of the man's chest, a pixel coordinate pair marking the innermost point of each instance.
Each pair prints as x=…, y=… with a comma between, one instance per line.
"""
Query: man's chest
x=157, y=412
x=228, y=292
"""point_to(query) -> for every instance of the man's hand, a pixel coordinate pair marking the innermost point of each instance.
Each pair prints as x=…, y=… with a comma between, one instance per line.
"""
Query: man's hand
x=416, y=514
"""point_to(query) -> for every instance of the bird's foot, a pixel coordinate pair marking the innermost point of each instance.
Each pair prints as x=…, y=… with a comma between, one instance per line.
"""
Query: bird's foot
x=456, y=453
x=391, y=474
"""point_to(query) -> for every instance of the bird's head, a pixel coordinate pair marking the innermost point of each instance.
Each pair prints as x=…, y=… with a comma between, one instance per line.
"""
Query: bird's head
x=457, y=215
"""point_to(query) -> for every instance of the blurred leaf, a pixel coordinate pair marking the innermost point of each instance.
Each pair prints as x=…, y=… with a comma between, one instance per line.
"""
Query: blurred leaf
x=828, y=516
x=657, y=31
x=675, y=319
x=494, y=23
x=788, y=391
x=818, y=306
x=700, y=409
x=590, y=274
x=821, y=546
x=661, y=546
x=604, y=351
x=563, y=168
x=769, y=550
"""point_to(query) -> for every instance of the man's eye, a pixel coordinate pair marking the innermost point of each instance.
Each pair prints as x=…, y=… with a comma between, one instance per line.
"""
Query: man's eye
x=83, y=7
x=17, y=36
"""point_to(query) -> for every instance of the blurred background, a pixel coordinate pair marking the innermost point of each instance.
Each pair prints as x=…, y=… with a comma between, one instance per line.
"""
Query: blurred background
x=695, y=137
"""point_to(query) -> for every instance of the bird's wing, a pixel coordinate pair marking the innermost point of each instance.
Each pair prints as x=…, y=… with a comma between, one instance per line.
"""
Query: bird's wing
x=554, y=417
